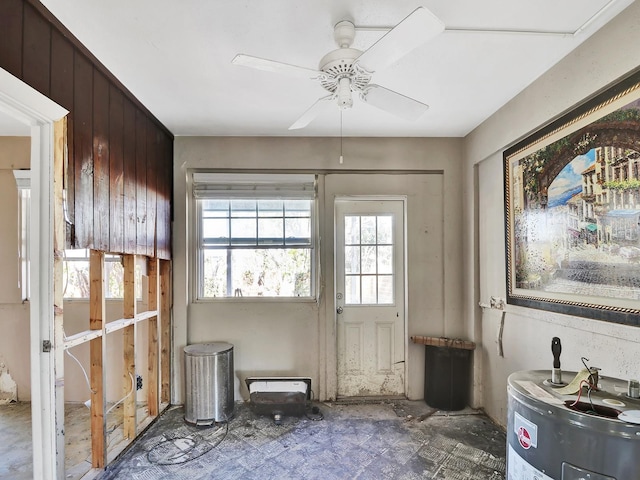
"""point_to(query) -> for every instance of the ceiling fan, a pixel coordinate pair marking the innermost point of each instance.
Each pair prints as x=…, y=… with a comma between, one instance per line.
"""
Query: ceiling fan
x=347, y=70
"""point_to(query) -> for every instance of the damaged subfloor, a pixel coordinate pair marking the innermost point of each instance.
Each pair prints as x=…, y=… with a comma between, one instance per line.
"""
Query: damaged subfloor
x=390, y=439
x=16, y=455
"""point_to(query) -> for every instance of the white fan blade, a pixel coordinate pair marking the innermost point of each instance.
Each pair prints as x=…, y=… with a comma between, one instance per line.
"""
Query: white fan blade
x=415, y=30
x=315, y=110
x=273, y=66
x=393, y=102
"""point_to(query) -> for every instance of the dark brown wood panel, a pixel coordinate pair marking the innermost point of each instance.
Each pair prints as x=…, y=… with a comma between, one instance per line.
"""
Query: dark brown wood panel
x=141, y=183
x=126, y=210
x=163, y=205
x=167, y=187
x=83, y=151
x=153, y=163
x=36, y=57
x=61, y=71
x=129, y=190
x=11, y=13
x=100, y=162
x=62, y=93
x=116, y=171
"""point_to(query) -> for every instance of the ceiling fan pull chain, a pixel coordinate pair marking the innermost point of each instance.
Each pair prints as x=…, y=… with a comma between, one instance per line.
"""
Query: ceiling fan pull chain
x=341, y=158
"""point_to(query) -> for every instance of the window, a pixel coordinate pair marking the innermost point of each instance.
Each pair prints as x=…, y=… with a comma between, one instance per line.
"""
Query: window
x=368, y=259
x=254, y=235
x=23, y=182
x=76, y=278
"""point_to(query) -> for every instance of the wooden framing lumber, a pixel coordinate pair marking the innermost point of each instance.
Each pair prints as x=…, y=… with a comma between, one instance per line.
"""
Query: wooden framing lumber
x=153, y=344
x=59, y=142
x=97, y=352
x=129, y=348
x=158, y=315
x=165, y=330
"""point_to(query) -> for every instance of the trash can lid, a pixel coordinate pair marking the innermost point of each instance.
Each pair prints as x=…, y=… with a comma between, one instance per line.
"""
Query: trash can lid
x=203, y=349
x=443, y=342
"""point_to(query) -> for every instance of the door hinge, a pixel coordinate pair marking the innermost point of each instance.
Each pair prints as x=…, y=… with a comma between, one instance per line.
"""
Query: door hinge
x=46, y=346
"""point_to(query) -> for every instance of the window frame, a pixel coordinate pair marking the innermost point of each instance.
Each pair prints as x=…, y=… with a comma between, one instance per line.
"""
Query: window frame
x=141, y=271
x=196, y=252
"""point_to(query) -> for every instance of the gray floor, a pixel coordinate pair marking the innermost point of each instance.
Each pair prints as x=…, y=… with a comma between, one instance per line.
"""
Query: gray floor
x=16, y=448
x=373, y=440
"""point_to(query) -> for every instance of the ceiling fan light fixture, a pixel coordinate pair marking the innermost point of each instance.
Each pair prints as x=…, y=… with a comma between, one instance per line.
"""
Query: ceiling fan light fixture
x=345, y=100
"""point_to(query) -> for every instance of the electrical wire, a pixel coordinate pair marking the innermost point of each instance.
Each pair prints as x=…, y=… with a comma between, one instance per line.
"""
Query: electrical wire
x=86, y=377
x=590, y=387
x=318, y=415
x=133, y=387
x=183, y=455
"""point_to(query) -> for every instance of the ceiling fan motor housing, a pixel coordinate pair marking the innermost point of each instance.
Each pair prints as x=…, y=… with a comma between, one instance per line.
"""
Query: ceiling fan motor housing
x=341, y=75
x=339, y=64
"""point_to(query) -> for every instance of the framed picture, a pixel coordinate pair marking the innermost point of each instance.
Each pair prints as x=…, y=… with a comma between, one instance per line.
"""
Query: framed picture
x=572, y=210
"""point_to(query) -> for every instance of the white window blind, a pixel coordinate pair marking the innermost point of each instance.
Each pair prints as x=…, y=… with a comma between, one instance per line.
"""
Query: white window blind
x=232, y=185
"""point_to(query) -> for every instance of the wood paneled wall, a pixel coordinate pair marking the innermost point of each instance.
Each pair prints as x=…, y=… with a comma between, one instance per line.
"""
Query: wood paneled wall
x=119, y=173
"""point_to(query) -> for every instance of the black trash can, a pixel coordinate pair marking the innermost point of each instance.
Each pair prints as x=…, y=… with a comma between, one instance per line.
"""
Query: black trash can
x=447, y=372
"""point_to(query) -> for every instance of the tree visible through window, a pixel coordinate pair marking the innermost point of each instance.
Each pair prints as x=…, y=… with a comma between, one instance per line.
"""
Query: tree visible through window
x=76, y=279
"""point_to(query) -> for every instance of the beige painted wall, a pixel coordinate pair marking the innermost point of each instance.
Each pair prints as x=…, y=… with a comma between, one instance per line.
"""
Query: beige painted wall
x=607, y=55
x=298, y=338
x=14, y=315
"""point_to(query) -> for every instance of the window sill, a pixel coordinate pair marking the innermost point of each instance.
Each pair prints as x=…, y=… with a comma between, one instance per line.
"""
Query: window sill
x=256, y=300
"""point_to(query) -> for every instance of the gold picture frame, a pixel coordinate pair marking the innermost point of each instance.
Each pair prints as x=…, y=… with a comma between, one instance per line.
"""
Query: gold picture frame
x=572, y=210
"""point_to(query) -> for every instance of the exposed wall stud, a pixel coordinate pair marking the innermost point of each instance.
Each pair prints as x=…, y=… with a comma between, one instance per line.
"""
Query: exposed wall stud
x=129, y=347
x=165, y=330
x=154, y=377
x=97, y=351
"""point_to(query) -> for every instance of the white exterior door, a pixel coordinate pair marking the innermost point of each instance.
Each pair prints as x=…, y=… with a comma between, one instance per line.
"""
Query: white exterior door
x=370, y=297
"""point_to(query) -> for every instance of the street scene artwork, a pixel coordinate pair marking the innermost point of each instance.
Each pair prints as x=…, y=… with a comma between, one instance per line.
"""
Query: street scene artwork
x=573, y=214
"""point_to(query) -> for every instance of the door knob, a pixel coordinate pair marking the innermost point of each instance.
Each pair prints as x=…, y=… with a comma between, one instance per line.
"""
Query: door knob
x=339, y=310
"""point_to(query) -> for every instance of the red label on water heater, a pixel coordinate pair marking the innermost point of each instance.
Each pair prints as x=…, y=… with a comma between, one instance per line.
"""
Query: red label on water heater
x=524, y=438
x=526, y=431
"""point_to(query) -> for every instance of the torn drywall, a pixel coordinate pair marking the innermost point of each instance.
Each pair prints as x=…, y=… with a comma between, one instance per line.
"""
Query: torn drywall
x=8, y=388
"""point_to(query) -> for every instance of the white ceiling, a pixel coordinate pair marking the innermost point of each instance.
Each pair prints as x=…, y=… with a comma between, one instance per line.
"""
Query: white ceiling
x=175, y=57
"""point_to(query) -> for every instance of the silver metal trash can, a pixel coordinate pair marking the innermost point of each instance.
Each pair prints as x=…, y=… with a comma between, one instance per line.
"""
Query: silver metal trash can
x=209, y=383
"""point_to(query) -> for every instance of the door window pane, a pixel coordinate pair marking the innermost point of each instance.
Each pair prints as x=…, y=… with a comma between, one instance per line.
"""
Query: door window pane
x=352, y=290
x=385, y=260
x=368, y=259
x=385, y=290
x=385, y=229
x=368, y=229
x=351, y=230
x=369, y=295
x=351, y=260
